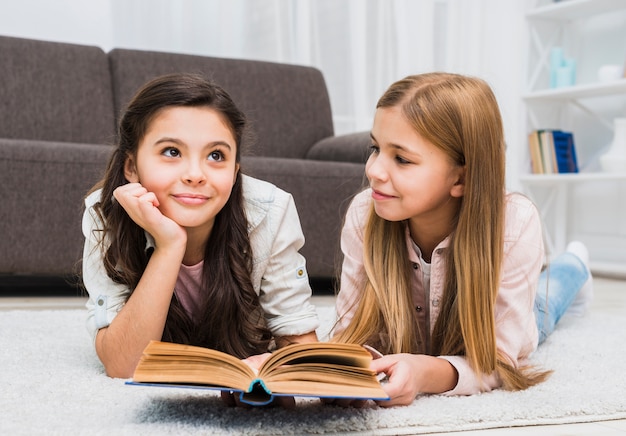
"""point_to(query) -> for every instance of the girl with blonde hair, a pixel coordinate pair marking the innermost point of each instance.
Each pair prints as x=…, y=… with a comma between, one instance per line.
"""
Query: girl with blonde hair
x=442, y=265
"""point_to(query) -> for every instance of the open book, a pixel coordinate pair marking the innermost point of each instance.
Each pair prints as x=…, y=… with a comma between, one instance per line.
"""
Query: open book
x=317, y=369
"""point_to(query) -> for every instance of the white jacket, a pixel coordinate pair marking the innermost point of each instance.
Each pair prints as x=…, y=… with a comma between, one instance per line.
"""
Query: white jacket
x=279, y=272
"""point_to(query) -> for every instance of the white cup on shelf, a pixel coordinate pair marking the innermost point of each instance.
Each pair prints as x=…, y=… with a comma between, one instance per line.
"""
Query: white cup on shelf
x=610, y=73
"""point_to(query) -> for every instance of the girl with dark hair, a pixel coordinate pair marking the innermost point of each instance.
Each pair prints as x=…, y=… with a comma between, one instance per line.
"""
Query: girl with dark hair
x=442, y=266
x=180, y=246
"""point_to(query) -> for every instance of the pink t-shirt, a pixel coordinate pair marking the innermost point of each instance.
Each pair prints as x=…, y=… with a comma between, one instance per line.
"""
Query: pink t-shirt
x=188, y=285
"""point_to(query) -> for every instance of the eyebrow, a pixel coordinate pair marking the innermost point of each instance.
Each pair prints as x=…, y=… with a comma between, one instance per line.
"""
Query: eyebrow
x=396, y=146
x=179, y=142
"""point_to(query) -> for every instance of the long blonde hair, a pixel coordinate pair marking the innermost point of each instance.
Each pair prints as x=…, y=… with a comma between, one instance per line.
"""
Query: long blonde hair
x=460, y=115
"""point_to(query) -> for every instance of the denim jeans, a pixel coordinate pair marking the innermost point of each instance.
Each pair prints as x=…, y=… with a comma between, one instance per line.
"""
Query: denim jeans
x=559, y=284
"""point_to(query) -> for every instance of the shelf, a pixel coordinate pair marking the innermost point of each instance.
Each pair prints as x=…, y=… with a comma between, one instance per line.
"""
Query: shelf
x=578, y=91
x=574, y=9
x=564, y=23
x=608, y=269
x=570, y=178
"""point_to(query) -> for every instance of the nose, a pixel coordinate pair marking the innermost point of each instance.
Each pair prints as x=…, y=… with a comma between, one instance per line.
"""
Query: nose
x=194, y=174
x=375, y=168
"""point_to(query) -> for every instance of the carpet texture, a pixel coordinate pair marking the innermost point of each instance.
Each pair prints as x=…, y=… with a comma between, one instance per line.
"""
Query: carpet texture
x=53, y=383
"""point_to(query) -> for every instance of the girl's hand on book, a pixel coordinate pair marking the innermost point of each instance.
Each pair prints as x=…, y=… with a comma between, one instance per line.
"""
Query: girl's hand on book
x=256, y=361
x=412, y=374
x=349, y=402
x=403, y=372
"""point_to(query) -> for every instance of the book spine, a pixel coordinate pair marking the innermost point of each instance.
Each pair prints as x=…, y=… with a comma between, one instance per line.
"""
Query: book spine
x=547, y=151
x=565, y=152
x=535, y=152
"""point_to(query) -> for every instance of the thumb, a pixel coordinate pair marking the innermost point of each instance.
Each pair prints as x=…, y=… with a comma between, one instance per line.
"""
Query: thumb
x=382, y=364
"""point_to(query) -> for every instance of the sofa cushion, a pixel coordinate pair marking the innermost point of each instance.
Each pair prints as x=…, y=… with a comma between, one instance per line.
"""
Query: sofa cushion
x=352, y=147
x=42, y=193
x=287, y=105
x=54, y=91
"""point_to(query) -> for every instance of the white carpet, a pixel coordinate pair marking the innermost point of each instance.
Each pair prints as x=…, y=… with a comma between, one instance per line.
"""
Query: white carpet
x=52, y=383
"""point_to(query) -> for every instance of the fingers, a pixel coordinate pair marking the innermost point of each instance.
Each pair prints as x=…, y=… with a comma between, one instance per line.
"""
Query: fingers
x=402, y=400
x=285, y=402
x=142, y=206
x=134, y=192
x=228, y=398
x=382, y=364
x=257, y=360
x=231, y=399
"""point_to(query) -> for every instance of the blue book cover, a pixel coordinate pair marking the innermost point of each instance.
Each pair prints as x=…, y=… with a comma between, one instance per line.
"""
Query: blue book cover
x=565, y=151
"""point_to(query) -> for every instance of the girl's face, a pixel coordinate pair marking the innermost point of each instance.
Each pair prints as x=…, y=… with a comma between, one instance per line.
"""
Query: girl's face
x=410, y=177
x=187, y=159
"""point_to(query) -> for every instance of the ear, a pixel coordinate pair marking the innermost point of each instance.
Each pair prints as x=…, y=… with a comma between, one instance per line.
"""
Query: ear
x=458, y=189
x=130, y=170
x=237, y=166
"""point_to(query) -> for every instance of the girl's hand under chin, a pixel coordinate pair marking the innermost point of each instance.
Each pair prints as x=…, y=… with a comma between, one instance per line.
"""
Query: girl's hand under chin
x=143, y=208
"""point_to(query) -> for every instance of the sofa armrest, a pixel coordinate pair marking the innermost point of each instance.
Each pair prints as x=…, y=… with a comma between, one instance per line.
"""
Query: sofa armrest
x=352, y=147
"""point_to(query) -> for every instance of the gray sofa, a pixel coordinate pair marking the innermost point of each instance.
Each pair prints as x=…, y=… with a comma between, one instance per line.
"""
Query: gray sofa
x=59, y=104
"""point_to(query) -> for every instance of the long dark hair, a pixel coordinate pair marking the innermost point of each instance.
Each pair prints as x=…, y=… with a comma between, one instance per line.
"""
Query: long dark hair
x=230, y=318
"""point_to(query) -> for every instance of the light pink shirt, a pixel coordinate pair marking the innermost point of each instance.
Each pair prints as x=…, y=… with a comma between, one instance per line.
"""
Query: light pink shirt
x=516, y=329
x=188, y=286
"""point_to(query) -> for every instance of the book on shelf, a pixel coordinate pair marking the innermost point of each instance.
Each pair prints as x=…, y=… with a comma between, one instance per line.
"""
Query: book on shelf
x=552, y=152
x=565, y=151
x=536, y=159
x=319, y=369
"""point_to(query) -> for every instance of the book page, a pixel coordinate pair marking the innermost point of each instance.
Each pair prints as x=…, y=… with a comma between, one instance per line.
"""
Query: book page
x=164, y=362
x=317, y=352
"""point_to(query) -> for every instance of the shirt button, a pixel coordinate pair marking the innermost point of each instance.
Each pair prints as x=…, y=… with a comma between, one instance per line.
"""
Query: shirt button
x=436, y=302
x=418, y=308
x=100, y=301
x=415, y=266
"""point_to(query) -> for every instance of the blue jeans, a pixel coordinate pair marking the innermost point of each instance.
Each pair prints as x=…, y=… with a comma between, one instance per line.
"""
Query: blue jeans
x=559, y=284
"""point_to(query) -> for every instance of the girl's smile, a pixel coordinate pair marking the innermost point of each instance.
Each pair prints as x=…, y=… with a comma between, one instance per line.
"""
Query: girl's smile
x=191, y=199
x=379, y=196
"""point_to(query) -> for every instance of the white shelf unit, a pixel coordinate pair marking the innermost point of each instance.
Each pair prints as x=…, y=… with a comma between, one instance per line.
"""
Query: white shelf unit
x=551, y=25
x=574, y=9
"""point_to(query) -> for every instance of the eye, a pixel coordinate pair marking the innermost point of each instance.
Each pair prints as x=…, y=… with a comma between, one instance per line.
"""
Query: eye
x=374, y=149
x=171, y=152
x=216, y=155
x=402, y=161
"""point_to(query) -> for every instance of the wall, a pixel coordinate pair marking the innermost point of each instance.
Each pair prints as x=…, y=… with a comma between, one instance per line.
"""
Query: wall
x=83, y=22
x=361, y=48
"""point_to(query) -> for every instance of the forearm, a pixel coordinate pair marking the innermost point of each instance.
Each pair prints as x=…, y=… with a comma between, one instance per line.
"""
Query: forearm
x=142, y=319
x=440, y=376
